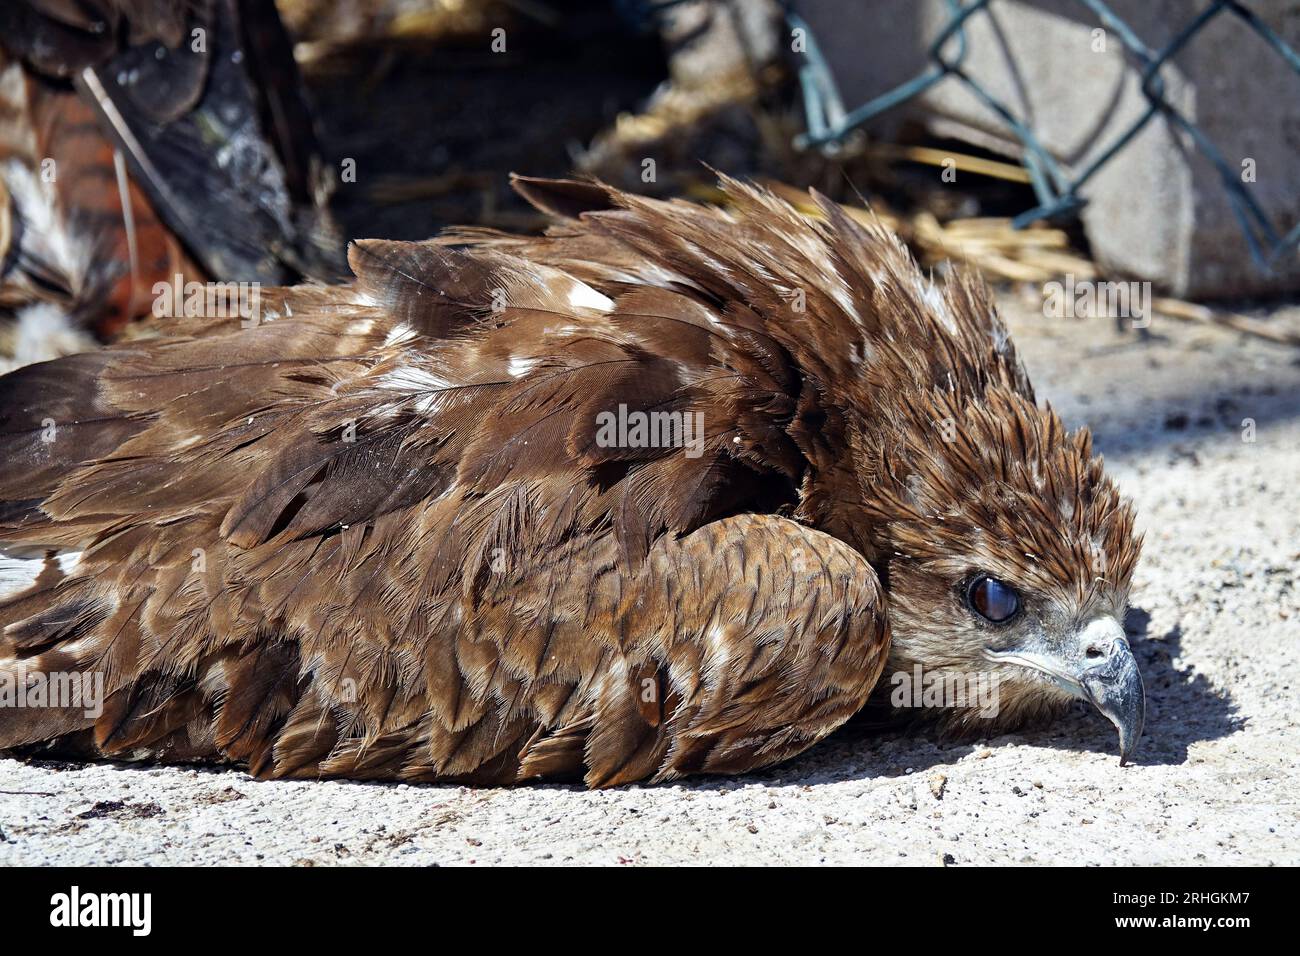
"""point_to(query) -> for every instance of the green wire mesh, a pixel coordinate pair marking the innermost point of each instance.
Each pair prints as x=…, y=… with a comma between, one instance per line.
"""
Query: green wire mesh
x=1056, y=189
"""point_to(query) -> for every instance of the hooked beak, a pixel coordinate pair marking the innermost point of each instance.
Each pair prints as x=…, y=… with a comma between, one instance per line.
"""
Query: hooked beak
x=1096, y=665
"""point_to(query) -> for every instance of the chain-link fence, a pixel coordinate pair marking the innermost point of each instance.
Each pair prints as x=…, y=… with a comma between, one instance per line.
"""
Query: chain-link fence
x=1057, y=189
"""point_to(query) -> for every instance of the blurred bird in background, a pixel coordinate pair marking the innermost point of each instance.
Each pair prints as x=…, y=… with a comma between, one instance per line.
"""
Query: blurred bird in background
x=142, y=140
x=82, y=245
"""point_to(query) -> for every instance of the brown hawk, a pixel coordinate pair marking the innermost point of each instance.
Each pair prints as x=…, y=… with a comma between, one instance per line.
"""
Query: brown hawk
x=668, y=490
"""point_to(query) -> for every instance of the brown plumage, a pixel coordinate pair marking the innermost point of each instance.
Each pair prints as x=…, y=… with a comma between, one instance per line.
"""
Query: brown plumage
x=385, y=536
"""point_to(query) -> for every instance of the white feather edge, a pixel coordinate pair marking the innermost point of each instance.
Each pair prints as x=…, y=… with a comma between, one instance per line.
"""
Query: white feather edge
x=17, y=574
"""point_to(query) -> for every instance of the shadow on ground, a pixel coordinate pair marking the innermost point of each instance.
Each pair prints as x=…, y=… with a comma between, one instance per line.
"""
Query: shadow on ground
x=1146, y=398
x=1183, y=708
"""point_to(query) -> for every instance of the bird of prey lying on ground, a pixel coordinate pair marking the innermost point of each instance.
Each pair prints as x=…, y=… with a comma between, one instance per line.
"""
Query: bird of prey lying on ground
x=669, y=490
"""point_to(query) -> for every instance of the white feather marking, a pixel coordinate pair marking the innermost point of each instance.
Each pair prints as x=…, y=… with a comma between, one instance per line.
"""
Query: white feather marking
x=936, y=303
x=68, y=561
x=521, y=365
x=45, y=236
x=411, y=378
x=414, y=378
x=215, y=681
x=400, y=334
x=583, y=296
x=655, y=275
x=718, y=652
x=17, y=574
x=43, y=332
x=613, y=681
x=1001, y=337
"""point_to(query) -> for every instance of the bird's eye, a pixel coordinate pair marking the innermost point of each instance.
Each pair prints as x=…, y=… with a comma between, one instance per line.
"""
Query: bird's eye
x=992, y=600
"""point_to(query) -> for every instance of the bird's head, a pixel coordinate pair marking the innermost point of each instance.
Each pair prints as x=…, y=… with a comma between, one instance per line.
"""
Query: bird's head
x=1008, y=562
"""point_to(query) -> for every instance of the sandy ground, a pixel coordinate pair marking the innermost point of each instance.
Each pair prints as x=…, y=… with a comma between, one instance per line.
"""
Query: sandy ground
x=1215, y=623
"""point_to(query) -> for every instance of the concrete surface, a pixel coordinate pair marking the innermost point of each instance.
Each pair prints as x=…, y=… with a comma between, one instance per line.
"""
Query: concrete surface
x=1216, y=625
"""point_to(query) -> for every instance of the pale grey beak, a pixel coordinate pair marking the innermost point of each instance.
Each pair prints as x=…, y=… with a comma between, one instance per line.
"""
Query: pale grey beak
x=1095, y=664
x=1113, y=684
